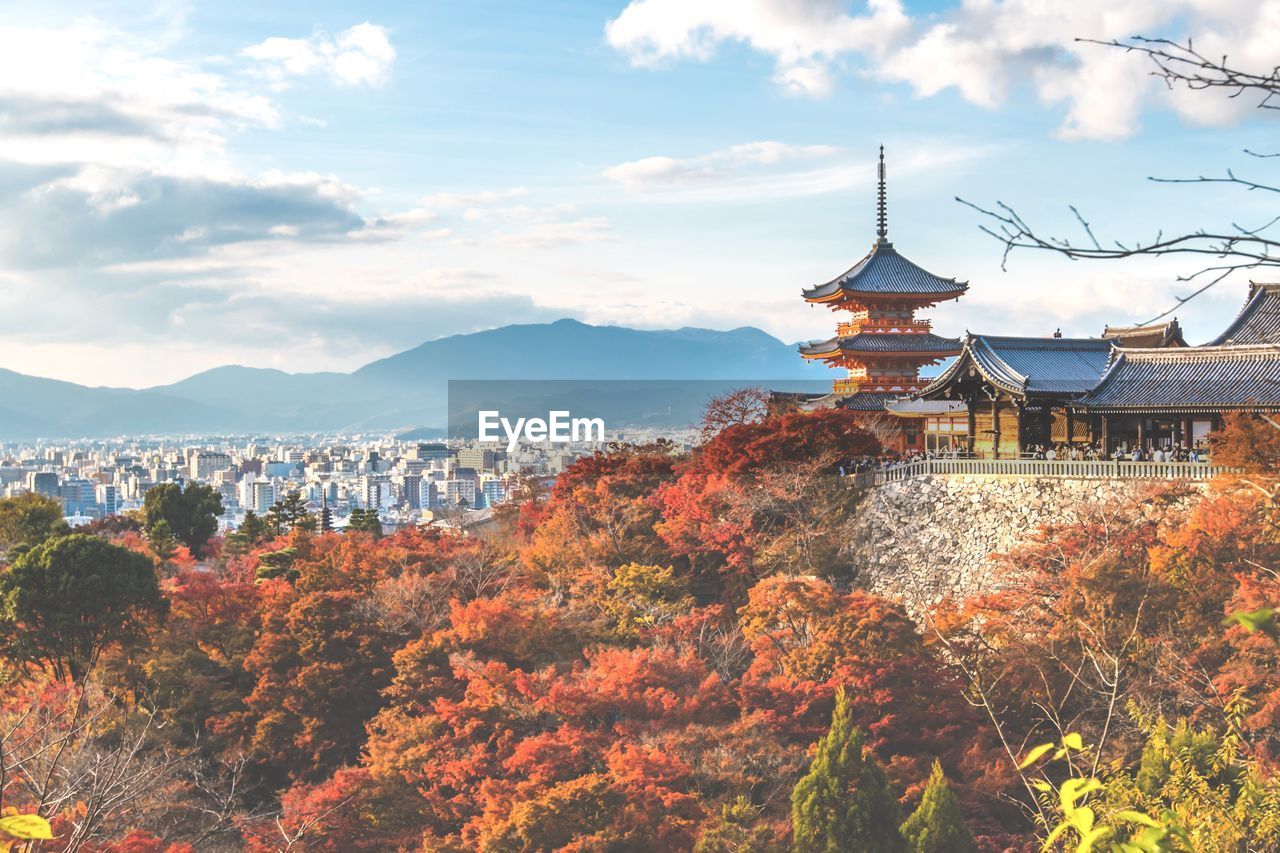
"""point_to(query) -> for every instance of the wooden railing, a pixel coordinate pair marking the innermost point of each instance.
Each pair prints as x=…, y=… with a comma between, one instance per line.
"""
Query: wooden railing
x=906, y=327
x=1099, y=470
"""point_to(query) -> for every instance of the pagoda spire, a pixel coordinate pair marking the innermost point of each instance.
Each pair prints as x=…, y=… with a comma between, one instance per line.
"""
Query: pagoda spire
x=882, y=213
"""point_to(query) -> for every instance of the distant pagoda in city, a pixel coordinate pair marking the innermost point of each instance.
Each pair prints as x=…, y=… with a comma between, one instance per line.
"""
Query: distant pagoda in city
x=882, y=345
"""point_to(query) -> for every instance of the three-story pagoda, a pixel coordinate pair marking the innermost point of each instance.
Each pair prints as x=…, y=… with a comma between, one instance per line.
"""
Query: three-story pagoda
x=882, y=345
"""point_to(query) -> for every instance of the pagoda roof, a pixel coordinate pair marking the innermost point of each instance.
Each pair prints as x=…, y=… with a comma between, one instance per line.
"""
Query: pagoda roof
x=1258, y=321
x=1147, y=336
x=1206, y=378
x=884, y=272
x=883, y=344
x=1028, y=366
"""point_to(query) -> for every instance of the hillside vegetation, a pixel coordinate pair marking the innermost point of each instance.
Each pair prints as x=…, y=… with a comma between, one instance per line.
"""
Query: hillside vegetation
x=663, y=652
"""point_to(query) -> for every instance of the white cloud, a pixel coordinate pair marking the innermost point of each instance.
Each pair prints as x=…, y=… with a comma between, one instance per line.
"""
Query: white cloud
x=549, y=235
x=651, y=172
x=803, y=36
x=471, y=199
x=984, y=49
x=359, y=56
x=91, y=93
x=773, y=170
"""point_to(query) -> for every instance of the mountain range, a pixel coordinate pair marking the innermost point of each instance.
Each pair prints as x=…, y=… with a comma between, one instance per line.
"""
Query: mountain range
x=403, y=391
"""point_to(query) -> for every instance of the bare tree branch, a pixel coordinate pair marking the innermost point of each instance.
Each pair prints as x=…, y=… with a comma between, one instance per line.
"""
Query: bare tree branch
x=1236, y=247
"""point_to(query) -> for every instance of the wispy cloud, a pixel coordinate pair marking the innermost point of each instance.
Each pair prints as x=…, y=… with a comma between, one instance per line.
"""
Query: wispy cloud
x=722, y=165
x=773, y=170
x=549, y=235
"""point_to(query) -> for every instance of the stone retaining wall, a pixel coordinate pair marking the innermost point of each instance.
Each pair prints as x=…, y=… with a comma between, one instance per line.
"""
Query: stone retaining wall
x=930, y=538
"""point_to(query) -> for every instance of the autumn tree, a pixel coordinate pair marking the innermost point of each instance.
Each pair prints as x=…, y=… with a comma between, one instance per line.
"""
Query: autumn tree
x=937, y=826
x=191, y=513
x=740, y=406
x=601, y=514
x=320, y=667
x=845, y=803
x=68, y=598
x=193, y=671
x=764, y=497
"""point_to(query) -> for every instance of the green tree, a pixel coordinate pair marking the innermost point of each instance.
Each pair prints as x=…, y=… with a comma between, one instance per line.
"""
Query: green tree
x=937, y=826
x=28, y=520
x=738, y=829
x=160, y=538
x=250, y=532
x=365, y=520
x=844, y=802
x=287, y=513
x=191, y=513
x=68, y=598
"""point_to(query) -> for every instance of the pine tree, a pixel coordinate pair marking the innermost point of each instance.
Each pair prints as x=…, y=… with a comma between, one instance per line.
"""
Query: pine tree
x=844, y=803
x=737, y=830
x=937, y=826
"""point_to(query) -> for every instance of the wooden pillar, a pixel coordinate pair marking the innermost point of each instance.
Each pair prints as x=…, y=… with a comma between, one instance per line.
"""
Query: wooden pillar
x=972, y=405
x=1106, y=438
x=1142, y=433
x=1018, y=406
x=1071, y=423
x=995, y=426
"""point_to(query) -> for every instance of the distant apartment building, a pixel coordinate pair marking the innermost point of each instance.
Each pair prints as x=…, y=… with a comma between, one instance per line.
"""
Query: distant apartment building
x=78, y=497
x=260, y=495
x=478, y=458
x=411, y=487
x=205, y=463
x=452, y=493
x=493, y=489
x=376, y=491
x=430, y=450
x=43, y=483
x=107, y=496
x=230, y=499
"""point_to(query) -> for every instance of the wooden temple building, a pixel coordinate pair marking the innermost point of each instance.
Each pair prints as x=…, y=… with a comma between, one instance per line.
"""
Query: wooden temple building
x=1001, y=396
x=881, y=344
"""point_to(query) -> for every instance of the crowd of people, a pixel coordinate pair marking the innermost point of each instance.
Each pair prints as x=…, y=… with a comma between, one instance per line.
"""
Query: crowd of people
x=1122, y=453
x=1066, y=452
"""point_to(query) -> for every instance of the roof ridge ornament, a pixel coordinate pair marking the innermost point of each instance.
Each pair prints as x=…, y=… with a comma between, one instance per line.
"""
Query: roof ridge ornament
x=882, y=214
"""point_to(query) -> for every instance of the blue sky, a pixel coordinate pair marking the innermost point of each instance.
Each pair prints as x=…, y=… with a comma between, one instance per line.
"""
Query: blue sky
x=312, y=186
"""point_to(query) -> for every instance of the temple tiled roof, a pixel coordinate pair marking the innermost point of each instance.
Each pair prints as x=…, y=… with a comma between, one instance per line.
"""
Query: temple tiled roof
x=1148, y=336
x=1258, y=321
x=1029, y=366
x=883, y=344
x=1207, y=378
x=884, y=272
x=869, y=401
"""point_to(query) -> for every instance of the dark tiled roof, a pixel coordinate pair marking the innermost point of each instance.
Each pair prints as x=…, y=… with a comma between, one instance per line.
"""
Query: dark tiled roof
x=868, y=342
x=1029, y=366
x=1153, y=335
x=1194, y=378
x=884, y=272
x=1258, y=321
x=869, y=401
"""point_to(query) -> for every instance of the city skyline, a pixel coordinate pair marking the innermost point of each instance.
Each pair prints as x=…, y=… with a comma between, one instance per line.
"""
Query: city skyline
x=314, y=189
